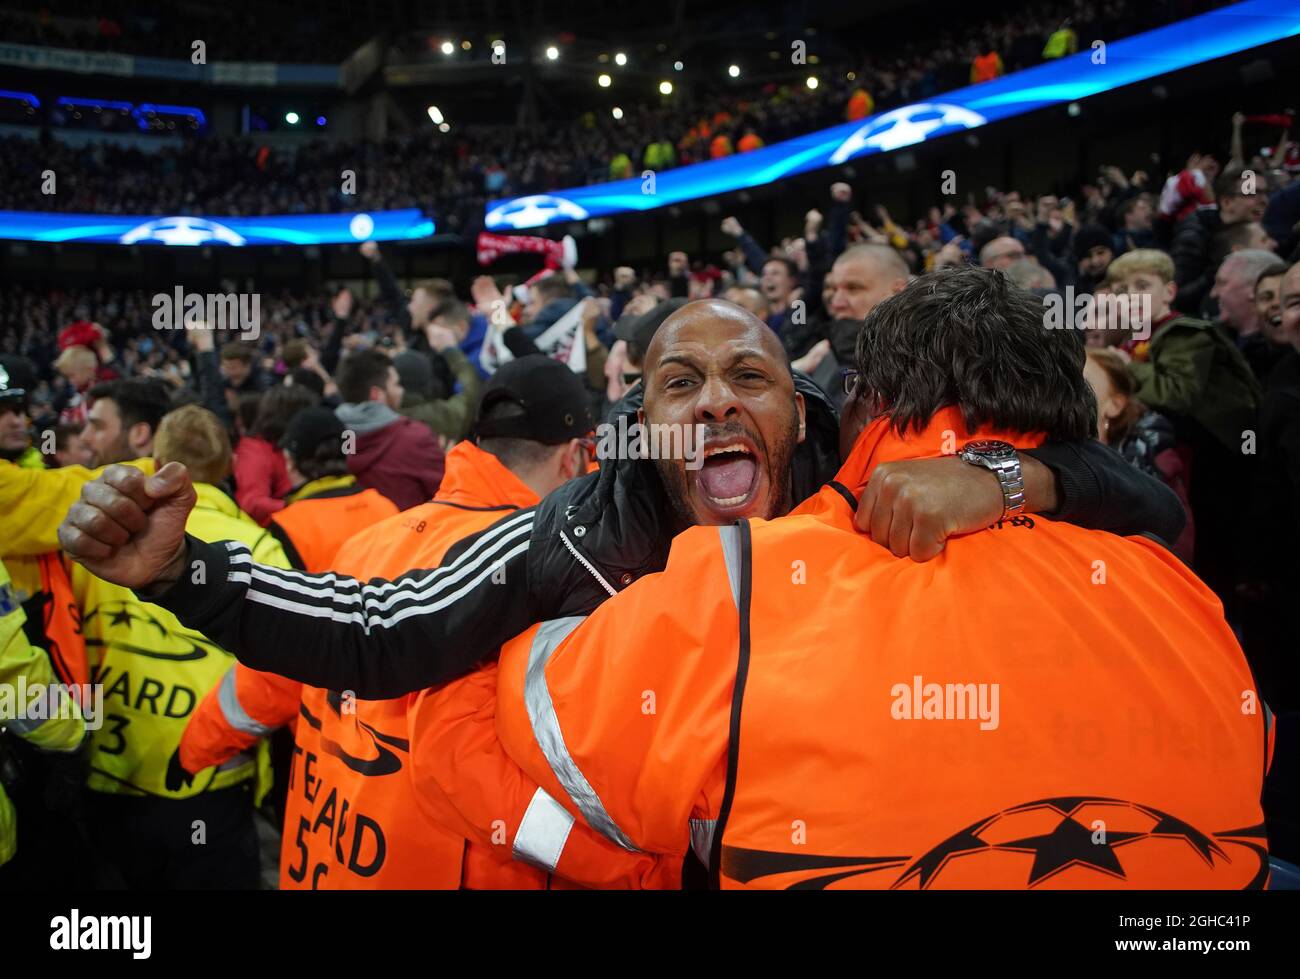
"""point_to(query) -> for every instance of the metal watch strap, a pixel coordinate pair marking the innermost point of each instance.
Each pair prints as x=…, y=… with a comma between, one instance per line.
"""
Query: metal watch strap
x=1012, y=482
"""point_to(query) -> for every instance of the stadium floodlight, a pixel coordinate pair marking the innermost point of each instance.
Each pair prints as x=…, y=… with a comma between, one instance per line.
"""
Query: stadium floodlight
x=448, y=47
x=465, y=45
x=291, y=118
x=812, y=81
x=678, y=66
x=435, y=115
x=620, y=59
x=617, y=112
x=444, y=127
x=665, y=88
x=552, y=52
x=734, y=71
x=320, y=120
x=604, y=81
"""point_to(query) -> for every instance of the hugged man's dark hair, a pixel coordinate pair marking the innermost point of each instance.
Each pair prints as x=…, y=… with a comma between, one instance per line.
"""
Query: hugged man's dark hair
x=972, y=338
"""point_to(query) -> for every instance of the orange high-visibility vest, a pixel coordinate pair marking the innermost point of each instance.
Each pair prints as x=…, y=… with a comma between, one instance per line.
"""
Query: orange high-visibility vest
x=244, y=706
x=476, y=491
x=65, y=643
x=466, y=781
x=44, y=586
x=321, y=517
x=352, y=818
x=1042, y=706
x=458, y=815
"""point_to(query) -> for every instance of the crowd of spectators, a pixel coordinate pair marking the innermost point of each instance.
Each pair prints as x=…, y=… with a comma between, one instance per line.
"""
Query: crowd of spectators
x=459, y=171
x=158, y=29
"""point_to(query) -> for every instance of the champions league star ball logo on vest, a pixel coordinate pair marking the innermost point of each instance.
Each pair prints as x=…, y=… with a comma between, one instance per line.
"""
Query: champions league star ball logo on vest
x=181, y=231
x=1082, y=836
x=907, y=126
x=1069, y=842
x=534, y=211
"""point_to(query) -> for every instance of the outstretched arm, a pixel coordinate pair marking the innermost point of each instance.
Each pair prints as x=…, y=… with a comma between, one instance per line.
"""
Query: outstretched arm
x=379, y=639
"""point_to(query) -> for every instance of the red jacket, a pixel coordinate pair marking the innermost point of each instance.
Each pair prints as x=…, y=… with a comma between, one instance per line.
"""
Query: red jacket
x=402, y=460
x=261, y=480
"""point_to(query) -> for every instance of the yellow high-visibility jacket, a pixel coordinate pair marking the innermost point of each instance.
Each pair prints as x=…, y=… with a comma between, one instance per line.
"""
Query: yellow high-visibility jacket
x=33, y=502
x=154, y=671
x=27, y=678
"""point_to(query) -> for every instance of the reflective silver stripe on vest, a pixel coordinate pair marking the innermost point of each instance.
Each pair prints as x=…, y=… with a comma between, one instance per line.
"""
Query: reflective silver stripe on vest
x=542, y=832
x=731, y=555
x=53, y=703
x=546, y=729
x=702, y=838
x=233, y=711
x=238, y=761
x=24, y=725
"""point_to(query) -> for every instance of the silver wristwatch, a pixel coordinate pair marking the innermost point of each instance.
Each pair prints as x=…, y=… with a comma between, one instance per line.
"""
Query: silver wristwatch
x=1001, y=458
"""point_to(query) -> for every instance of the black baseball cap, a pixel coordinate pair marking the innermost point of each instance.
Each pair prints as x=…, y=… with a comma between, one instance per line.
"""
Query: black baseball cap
x=554, y=400
x=17, y=379
x=308, y=429
x=641, y=329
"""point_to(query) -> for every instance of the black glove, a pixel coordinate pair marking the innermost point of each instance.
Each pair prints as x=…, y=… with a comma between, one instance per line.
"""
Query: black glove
x=176, y=773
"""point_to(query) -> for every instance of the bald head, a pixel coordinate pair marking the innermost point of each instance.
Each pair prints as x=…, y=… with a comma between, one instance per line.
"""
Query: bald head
x=720, y=371
x=1234, y=288
x=1001, y=252
x=861, y=279
x=713, y=323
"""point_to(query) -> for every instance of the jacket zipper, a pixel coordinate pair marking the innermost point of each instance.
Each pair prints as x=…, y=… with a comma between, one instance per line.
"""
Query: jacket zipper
x=587, y=564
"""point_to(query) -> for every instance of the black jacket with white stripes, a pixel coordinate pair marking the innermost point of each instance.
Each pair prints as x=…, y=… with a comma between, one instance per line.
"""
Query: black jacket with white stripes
x=587, y=540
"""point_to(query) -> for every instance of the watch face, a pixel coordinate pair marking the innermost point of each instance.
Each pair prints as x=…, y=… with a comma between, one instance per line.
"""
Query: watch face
x=989, y=448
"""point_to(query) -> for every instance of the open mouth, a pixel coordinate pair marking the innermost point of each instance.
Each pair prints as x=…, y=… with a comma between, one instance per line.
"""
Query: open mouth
x=728, y=477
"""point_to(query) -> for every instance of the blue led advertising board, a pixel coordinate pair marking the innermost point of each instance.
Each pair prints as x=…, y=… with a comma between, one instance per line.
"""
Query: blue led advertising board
x=1217, y=34
x=268, y=229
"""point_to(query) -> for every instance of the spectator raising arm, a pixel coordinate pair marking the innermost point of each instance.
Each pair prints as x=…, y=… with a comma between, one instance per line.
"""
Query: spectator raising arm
x=755, y=257
x=450, y=414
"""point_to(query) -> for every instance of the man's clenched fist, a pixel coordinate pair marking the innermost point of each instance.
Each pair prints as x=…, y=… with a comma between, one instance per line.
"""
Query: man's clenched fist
x=913, y=506
x=129, y=528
